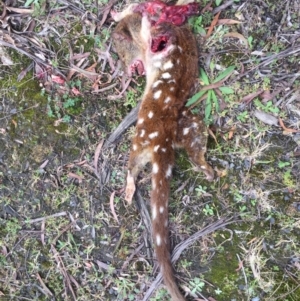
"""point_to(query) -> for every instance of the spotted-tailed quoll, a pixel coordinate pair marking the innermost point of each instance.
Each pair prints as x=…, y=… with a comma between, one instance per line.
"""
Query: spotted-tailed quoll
x=167, y=54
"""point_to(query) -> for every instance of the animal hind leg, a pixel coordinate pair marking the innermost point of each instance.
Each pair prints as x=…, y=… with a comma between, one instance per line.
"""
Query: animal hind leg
x=192, y=136
x=138, y=159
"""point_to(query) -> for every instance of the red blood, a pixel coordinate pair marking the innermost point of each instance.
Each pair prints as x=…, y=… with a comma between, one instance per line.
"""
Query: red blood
x=159, y=12
x=159, y=43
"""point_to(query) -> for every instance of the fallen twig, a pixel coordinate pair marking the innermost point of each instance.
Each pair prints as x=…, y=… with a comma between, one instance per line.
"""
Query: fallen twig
x=40, y=219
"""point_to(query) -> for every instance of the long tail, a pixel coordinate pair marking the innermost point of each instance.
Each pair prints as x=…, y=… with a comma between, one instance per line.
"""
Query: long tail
x=161, y=174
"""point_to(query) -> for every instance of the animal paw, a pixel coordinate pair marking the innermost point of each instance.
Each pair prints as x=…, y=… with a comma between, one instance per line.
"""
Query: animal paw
x=130, y=188
x=209, y=172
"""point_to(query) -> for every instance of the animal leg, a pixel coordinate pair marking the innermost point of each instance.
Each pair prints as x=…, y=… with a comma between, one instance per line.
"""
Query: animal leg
x=138, y=159
x=192, y=136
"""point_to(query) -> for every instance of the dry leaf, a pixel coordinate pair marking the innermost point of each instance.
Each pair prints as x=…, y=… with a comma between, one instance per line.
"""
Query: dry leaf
x=57, y=79
x=240, y=266
x=231, y=132
x=228, y=21
x=266, y=117
x=75, y=91
x=97, y=154
x=287, y=130
x=248, y=98
x=112, y=207
x=75, y=176
x=210, y=132
x=238, y=36
x=213, y=24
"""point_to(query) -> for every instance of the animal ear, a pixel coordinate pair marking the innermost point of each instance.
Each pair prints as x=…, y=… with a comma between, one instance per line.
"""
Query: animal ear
x=118, y=36
x=125, y=35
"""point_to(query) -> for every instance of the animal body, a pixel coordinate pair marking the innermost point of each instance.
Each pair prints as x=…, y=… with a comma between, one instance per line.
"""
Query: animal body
x=167, y=55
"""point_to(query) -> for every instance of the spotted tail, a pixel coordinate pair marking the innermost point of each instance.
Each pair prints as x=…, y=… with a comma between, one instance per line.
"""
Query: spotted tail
x=161, y=174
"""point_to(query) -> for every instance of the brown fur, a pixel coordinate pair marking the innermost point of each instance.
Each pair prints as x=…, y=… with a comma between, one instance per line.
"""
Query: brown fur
x=163, y=122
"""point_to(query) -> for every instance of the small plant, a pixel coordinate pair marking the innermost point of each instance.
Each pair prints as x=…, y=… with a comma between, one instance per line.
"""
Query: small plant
x=282, y=164
x=268, y=107
x=197, y=25
x=208, y=210
x=125, y=287
x=61, y=107
x=209, y=92
x=288, y=180
x=200, y=190
x=130, y=99
x=37, y=4
x=250, y=41
x=197, y=285
x=243, y=116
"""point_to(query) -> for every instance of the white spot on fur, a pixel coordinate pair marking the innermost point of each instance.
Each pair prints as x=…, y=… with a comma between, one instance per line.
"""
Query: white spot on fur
x=155, y=168
x=178, y=61
x=157, y=64
x=203, y=167
x=142, y=133
x=166, y=75
x=157, y=94
x=157, y=83
x=180, y=49
x=161, y=209
x=163, y=149
x=154, y=212
x=172, y=89
x=172, y=81
x=156, y=147
x=169, y=171
x=168, y=99
x=167, y=139
x=141, y=120
x=186, y=131
x=153, y=184
x=153, y=135
x=168, y=65
x=150, y=114
x=158, y=240
x=195, y=125
x=134, y=147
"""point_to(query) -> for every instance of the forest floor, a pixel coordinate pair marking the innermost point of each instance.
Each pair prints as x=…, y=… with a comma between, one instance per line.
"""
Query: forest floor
x=66, y=232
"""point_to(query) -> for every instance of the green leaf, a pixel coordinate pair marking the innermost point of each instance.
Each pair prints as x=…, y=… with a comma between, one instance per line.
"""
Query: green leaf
x=208, y=106
x=204, y=77
x=226, y=90
x=194, y=98
x=218, y=2
x=28, y=2
x=215, y=100
x=283, y=164
x=223, y=74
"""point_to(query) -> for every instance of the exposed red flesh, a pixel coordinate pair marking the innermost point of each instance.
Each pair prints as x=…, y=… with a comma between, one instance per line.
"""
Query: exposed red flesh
x=159, y=12
x=137, y=67
x=159, y=43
